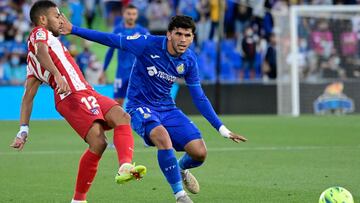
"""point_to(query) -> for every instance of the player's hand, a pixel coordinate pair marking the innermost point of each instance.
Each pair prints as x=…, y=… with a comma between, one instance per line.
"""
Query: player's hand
x=66, y=26
x=61, y=85
x=237, y=138
x=102, y=78
x=19, y=141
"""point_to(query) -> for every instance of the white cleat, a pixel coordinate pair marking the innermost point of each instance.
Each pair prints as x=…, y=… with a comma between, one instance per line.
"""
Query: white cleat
x=184, y=199
x=190, y=182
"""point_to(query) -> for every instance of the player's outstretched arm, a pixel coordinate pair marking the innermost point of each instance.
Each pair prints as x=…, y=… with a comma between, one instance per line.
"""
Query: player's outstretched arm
x=31, y=87
x=107, y=39
x=108, y=57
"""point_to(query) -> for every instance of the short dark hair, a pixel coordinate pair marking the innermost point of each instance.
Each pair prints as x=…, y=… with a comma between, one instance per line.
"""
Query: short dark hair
x=182, y=21
x=40, y=8
x=130, y=6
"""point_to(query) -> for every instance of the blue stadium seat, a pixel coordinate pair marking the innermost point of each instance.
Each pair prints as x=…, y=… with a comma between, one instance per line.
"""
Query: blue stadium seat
x=206, y=67
x=227, y=72
x=209, y=47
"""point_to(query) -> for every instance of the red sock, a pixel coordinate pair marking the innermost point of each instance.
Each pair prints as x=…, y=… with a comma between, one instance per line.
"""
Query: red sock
x=124, y=143
x=87, y=170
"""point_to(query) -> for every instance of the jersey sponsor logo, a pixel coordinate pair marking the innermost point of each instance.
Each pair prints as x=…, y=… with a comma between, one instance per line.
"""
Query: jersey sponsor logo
x=152, y=71
x=180, y=68
x=40, y=35
x=154, y=56
x=133, y=37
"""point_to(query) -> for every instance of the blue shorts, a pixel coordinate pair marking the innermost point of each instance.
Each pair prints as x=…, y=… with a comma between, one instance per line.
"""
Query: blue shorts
x=120, y=87
x=180, y=128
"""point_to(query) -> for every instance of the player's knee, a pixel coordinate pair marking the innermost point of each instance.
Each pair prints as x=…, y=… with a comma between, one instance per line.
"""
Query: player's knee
x=99, y=145
x=123, y=119
x=126, y=118
x=96, y=138
x=162, y=142
x=200, y=155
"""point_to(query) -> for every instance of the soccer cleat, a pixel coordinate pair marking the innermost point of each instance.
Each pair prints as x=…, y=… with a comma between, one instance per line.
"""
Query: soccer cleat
x=128, y=172
x=190, y=182
x=184, y=199
x=78, y=201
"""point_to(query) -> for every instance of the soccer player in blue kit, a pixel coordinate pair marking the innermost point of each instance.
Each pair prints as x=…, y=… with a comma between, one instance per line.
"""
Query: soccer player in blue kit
x=160, y=60
x=127, y=27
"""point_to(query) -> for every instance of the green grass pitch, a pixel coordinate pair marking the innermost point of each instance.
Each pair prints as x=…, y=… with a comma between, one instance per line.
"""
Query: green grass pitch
x=285, y=160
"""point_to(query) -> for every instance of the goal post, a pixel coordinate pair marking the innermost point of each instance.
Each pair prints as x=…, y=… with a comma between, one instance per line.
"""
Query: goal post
x=312, y=50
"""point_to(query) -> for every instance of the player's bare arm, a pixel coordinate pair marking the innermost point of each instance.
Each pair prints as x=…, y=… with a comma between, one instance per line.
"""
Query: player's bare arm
x=31, y=87
x=44, y=58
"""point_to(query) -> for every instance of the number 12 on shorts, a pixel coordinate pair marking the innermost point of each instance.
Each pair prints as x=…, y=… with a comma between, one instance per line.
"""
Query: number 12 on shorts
x=90, y=102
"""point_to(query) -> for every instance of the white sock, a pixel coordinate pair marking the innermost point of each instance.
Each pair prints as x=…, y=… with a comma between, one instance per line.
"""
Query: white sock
x=180, y=193
x=78, y=201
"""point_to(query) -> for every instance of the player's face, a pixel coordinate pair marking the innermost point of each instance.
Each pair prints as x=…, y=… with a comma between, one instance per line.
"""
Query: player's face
x=54, y=22
x=130, y=16
x=179, y=40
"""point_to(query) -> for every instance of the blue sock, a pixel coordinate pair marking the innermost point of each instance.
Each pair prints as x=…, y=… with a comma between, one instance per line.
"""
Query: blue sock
x=170, y=168
x=186, y=162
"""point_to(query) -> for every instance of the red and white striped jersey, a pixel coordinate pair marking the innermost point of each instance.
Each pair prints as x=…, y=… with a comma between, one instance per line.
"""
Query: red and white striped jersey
x=61, y=57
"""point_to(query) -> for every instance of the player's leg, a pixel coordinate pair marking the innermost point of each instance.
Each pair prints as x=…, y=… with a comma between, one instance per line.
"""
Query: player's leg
x=186, y=137
x=148, y=125
x=168, y=162
x=120, y=88
x=80, y=109
x=195, y=154
x=123, y=139
x=89, y=161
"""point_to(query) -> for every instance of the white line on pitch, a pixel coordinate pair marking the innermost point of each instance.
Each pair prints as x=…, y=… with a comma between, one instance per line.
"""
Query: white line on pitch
x=288, y=148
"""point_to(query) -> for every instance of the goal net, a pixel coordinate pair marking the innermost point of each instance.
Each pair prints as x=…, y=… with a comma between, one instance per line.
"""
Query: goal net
x=317, y=46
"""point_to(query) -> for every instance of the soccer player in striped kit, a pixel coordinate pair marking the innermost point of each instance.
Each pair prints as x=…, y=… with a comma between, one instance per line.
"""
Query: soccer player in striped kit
x=88, y=112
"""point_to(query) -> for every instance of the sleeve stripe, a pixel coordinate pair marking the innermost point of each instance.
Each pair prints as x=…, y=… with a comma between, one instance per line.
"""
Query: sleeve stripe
x=120, y=42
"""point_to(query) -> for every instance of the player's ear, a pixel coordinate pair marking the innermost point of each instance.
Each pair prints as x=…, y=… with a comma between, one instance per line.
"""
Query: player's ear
x=192, y=38
x=42, y=20
x=168, y=35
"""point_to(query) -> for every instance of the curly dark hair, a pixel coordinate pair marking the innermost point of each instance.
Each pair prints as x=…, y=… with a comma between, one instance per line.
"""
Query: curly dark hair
x=182, y=21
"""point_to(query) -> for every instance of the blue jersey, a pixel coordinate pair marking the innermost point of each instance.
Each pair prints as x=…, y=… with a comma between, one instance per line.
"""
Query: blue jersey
x=125, y=59
x=155, y=71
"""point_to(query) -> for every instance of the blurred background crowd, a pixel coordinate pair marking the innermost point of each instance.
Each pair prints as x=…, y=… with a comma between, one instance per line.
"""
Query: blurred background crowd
x=248, y=48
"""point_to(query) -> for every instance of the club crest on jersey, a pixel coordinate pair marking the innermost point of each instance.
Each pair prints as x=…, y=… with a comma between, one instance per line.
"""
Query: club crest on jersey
x=95, y=111
x=40, y=35
x=180, y=68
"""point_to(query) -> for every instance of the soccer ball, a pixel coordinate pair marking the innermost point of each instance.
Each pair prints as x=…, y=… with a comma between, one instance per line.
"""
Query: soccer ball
x=336, y=195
